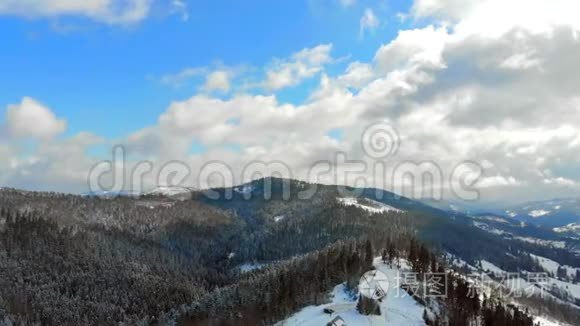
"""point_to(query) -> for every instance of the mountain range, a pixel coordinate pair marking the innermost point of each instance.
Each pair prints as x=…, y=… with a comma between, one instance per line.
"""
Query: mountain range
x=185, y=255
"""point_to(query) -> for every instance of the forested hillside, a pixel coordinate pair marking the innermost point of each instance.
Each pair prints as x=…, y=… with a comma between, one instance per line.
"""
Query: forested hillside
x=72, y=260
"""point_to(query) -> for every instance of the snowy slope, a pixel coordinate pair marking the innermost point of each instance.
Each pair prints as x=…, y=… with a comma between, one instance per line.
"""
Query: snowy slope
x=572, y=229
x=519, y=286
x=552, y=213
x=396, y=309
x=169, y=191
x=249, y=267
x=552, y=266
x=368, y=205
x=543, y=321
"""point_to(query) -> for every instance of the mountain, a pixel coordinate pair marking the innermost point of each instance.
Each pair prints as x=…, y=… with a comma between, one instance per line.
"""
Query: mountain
x=561, y=215
x=572, y=230
x=529, y=226
x=551, y=213
x=155, y=258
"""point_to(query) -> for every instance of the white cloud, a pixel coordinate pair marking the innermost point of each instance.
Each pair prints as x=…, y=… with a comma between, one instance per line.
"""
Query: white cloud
x=422, y=47
x=30, y=118
x=497, y=181
x=474, y=17
x=302, y=65
x=368, y=22
x=357, y=75
x=520, y=61
x=455, y=91
x=560, y=181
x=107, y=11
x=452, y=97
x=218, y=80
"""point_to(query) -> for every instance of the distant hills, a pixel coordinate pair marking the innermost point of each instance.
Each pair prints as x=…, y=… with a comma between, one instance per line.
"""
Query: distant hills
x=554, y=213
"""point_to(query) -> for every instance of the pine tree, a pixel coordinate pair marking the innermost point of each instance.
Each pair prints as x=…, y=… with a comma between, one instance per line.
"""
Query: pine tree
x=369, y=255
x=367, y=306
x=426, y=317
x=384, y=256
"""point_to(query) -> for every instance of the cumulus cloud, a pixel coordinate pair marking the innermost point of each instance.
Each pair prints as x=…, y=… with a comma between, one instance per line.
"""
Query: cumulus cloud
x=474, y=17
x=417, y=47
x=302, y=65
x=30, y=118
x=357, y=75
x=54, y=166
x=453, y=96
x=455, y=91
x=249, y=120
x=107, y=11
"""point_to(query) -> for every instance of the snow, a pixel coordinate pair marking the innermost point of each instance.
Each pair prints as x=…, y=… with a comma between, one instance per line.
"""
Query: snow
x=514, y=287
x=248, y=267
x=547, y=243
x=343, y=305
x=169, y=191
x=538, y=213
x=454, y=260
x=369, y=205
x=572, y=227
x=487, y=266
x=244, y=189
x=495, y=219
x=572, y=289
x=545, y=322
x=521, y=284
x=399, y=309
x=547, y=264
x=518, y=286
x=511, y=214
x=487, y=228
x=396, y=309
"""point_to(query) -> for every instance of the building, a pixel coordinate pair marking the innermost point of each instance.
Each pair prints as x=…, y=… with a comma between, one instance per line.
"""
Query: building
x=337, y=321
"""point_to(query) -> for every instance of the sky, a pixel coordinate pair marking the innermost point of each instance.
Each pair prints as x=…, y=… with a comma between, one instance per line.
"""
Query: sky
x=490, y=83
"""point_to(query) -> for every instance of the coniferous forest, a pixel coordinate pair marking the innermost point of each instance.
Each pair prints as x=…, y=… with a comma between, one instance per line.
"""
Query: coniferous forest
x=86, y=260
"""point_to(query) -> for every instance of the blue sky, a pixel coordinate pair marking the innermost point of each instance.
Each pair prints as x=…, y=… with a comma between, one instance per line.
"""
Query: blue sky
x=489, y=82
x=80, y=67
